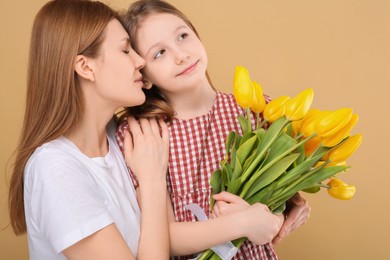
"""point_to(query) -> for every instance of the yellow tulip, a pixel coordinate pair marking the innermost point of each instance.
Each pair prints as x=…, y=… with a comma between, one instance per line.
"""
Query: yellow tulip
x=258, y=102
x=275, y=109
x=312, y=144
x=319, y=163
x=333, y=122
x=341, y=134
x=296, y=127
x=345, y=150
x=243, y=89
x=343, y=163
x=298, y=106
x=310, y=121
x=340, y=190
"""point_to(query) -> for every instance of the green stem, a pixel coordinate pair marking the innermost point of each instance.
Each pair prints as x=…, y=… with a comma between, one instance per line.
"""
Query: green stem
x=206, y=255
x=249, y=121
x=258, y=123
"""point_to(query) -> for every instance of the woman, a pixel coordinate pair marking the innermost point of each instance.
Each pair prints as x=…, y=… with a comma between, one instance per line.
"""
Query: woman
x=70, y=189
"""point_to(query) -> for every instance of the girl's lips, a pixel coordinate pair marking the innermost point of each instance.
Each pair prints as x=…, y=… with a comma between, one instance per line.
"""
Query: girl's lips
x=188, y=69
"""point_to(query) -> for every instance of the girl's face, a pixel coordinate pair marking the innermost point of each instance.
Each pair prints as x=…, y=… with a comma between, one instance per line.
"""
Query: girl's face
x=117, y=69
x=175, y=57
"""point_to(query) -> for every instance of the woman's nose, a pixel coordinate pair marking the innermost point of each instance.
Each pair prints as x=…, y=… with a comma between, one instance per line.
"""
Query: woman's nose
x=139, y=62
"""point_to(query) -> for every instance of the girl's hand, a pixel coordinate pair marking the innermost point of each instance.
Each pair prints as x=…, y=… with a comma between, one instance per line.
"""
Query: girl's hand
x=226, y=203
x=261, y=225
x=297, y=213
x=146, y=148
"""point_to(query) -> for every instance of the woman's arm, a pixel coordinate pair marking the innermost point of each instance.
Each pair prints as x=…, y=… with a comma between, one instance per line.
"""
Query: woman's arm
x=297, y=213
x=106, y=243
x=146, y=153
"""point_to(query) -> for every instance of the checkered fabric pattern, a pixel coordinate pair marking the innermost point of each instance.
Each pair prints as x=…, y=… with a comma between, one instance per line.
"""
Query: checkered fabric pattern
x=190, y=170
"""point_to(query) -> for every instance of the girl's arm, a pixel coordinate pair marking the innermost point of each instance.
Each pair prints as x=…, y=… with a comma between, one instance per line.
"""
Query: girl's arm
x=146, y=153
x=255, y=222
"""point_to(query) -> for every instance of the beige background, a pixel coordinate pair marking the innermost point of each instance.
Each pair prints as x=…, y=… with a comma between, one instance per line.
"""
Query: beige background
x=341, y=48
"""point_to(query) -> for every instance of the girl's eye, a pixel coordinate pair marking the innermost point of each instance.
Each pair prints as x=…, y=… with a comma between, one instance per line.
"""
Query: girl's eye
x=182, y=36
x=159, y=54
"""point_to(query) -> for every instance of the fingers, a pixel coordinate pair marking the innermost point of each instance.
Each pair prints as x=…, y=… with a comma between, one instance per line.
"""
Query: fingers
x=298, y=200
x=134, y=127
x=128, y=146
x=228, y=197
x=164, y=131
x=220, y=208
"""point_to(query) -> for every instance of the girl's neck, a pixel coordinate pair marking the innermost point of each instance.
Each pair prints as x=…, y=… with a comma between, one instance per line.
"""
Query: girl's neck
x=192, y=103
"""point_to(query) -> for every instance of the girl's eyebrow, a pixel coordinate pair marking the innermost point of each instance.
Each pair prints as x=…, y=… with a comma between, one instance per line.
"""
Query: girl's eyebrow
x=174, y=32
x=180, y=27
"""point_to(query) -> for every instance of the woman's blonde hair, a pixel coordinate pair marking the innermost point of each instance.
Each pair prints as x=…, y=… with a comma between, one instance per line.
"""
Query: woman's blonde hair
x=156, y=103
x=62, y=30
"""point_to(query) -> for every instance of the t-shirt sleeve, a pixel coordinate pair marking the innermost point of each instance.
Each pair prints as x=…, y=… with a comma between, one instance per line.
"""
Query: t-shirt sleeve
x=120, y=137
x=66, y=204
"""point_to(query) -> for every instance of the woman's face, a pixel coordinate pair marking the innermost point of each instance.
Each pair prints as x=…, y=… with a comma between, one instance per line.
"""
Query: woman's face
x=117, y=69
x=175, y=57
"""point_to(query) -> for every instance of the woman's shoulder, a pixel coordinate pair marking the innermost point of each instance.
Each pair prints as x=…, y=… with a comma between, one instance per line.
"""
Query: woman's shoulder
x=53, y=159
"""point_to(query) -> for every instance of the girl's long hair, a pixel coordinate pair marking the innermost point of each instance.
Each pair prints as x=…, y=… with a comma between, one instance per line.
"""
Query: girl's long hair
x=156, y=103
x=62, y=30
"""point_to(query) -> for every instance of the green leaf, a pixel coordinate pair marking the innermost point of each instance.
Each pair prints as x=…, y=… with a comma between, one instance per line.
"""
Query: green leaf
x=234, y=186
x=225, y=174
x=229, y=141
x=306, y=181
x=237, y=171
x=265, y=167
x=297, y=171
x=301, y=150
x=260, y=132
x=216, y=183
x=245, y=149
x=271, y=174
x=269, y=136
x=313, y=189
x=246, y=137
x=243, y=123
x=262, y=195
x=280, y=208
x=282, y=143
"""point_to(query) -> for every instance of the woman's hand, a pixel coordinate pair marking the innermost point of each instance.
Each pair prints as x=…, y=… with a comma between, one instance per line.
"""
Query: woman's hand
x=146, y=148
x=297, y=213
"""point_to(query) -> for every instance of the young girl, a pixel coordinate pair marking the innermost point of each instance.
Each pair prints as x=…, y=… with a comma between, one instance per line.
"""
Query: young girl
x=70, y=189
x=200, y=119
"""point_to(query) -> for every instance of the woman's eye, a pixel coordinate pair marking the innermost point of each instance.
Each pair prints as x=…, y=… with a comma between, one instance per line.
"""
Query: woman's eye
x=159, y=54
x=182, y=36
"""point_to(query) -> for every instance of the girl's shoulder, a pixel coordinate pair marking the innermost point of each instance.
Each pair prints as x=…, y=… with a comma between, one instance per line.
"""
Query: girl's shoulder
x=227, y=103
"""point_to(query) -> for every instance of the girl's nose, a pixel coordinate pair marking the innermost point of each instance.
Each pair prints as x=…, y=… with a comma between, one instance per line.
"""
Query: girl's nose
x=181, y=58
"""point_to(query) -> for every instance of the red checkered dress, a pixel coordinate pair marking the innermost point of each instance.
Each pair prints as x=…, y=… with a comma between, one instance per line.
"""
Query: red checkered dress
x=190, y=170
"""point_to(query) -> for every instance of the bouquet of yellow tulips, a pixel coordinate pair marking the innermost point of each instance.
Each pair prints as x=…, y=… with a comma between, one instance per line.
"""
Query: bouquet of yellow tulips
x=300, y=150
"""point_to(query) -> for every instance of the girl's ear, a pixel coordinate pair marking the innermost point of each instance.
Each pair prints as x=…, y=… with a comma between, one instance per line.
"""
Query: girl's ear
x=83, y=69
x=147, y=83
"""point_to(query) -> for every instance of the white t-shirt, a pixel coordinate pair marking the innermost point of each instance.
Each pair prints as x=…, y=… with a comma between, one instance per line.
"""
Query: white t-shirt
x=69, y=196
